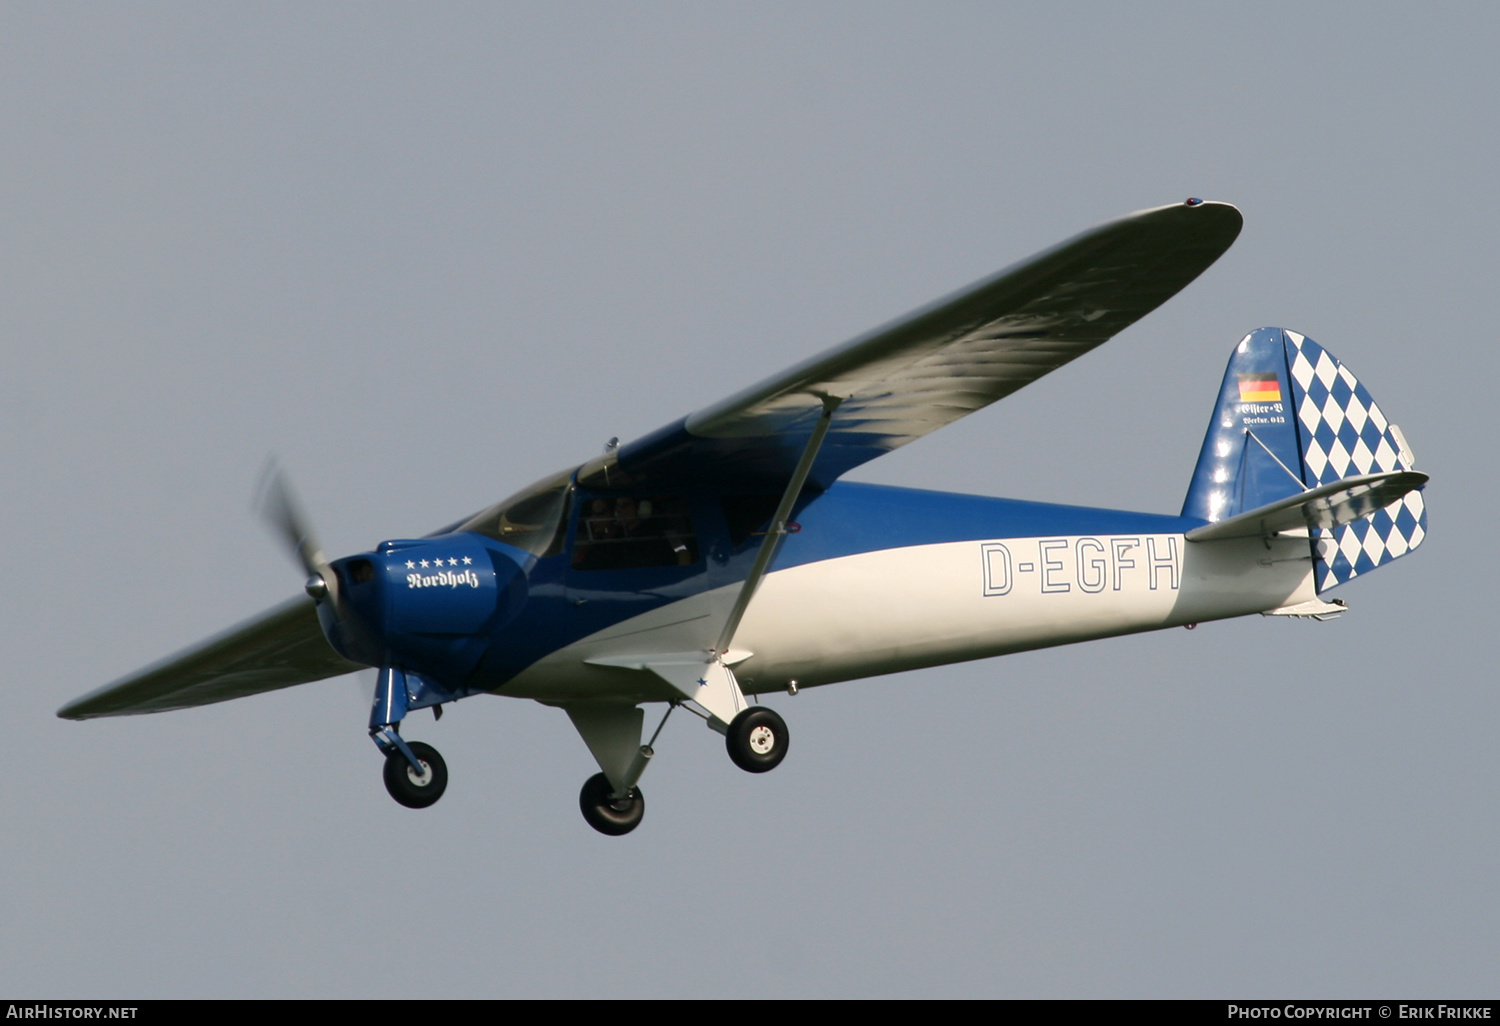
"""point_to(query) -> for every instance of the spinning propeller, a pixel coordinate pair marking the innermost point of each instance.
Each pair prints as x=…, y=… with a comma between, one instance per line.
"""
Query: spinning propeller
x=278, y=506
x=284, y=515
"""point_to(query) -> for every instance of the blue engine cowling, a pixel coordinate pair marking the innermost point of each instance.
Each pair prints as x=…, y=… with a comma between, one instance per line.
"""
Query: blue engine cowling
x=430, y=606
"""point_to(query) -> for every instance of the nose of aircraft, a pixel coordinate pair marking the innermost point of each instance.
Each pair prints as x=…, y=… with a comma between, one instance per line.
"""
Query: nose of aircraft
x=433, y=599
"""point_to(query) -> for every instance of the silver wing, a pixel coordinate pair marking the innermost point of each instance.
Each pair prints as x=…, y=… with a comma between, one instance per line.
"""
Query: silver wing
x=941, y=362
x=280, y=647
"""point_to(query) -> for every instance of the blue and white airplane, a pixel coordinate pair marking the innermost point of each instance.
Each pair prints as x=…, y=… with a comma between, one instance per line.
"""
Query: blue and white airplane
x=720, y=557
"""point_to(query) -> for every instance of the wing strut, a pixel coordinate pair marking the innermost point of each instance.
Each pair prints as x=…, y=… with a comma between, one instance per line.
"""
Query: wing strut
x=778, y=526
x=709, y=682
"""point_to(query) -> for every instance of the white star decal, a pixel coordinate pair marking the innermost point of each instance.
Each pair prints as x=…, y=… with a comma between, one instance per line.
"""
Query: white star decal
x=453, y=562
x=467, y=561
x=424, y=562
x=410, y=565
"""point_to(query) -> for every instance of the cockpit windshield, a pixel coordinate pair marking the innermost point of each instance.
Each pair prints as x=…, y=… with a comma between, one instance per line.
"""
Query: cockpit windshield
x=534, y=519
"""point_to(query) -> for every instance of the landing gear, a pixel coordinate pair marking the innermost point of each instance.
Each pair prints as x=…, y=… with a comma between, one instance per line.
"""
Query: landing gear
x=612, y=816
x=410, y=788
x=415, y=774
x=757, y=739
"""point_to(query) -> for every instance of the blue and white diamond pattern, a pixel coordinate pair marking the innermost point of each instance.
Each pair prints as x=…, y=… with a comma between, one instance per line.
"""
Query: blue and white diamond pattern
x=1344, y=433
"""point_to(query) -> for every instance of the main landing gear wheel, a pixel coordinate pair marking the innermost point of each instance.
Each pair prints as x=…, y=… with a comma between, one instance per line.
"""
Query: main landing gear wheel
x=757, y=740
x=609, y=815
x=410, y=788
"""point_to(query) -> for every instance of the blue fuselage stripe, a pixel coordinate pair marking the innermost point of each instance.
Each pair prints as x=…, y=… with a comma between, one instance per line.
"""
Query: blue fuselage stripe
x=852, y=518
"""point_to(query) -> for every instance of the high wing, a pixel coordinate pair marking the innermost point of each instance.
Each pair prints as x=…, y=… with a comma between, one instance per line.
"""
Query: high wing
x=931, y=367
x=897, y=383
x=280, y=647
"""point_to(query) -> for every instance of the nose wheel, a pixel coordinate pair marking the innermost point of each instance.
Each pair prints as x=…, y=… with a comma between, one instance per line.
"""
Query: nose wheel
x=757, y=739
x=416, y=790
x=607, y=814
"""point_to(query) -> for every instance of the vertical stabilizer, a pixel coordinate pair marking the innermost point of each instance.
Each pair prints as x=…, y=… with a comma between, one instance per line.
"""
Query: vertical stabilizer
x=1252, y=455
x=1290, y=417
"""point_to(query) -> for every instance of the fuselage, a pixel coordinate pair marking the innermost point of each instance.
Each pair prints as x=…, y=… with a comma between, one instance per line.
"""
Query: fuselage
x=871, y=580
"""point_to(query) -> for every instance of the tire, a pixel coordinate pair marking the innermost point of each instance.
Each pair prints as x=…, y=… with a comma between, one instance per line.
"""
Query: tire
x=406, y=787
x=614, y=818
x=757, y=740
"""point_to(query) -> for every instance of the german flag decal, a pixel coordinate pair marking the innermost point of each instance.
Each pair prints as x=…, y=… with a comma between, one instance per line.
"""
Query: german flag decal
x=1260, y=388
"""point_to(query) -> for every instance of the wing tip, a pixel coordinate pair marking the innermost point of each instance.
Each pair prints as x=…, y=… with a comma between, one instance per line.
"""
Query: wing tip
x=1200, y=208
x=1226, y=211
x=84, y=707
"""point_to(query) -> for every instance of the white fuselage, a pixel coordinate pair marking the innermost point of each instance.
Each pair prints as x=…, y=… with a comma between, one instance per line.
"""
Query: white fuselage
x=924, y=605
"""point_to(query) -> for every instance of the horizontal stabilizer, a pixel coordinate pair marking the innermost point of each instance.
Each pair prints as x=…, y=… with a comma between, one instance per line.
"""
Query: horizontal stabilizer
x=1312, y=609
x=1327, y=506
x=279, y=648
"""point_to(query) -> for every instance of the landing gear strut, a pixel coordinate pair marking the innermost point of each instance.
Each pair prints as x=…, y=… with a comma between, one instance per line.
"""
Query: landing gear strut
x=607, y=814
x=757, y=739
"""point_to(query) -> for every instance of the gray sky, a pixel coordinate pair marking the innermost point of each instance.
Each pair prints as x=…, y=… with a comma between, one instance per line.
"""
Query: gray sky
x=430, y=253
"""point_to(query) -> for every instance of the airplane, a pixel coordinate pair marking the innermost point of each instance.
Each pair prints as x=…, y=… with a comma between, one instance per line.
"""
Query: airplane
x=721, y=557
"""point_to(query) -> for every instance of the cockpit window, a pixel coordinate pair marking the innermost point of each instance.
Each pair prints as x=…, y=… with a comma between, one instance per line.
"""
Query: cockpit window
x=627, y=531
x=534, y=519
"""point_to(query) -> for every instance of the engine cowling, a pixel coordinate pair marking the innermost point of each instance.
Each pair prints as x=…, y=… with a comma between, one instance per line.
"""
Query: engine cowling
x=428, y=605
